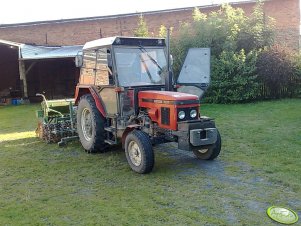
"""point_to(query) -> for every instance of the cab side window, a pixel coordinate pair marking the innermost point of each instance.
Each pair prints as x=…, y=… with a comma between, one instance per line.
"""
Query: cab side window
x=87, y=69
x=95, y=68
x=102, y=71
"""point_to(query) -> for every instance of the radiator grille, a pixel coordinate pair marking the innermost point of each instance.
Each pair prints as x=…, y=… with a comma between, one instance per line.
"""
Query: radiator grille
x=165, y=113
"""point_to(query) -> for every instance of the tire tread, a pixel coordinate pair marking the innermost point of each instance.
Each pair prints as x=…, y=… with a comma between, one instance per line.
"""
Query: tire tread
x=146, y=146
x=98, y=121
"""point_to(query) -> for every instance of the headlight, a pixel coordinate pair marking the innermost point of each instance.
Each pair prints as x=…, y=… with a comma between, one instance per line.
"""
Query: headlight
x=193, y=113
x=181, y=114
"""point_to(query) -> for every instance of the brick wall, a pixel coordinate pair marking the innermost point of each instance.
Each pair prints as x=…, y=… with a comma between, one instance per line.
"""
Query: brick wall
x=287, y=15
x=71, y=32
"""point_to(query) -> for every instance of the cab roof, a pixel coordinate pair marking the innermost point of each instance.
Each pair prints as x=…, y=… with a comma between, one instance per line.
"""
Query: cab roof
x=126, y=41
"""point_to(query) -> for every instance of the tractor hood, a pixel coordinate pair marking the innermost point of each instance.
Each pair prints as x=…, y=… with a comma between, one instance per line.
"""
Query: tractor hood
x=163, y=106
x=167, y=96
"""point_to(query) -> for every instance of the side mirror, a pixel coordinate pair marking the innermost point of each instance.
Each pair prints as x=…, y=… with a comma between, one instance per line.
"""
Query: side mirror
x=79, y=59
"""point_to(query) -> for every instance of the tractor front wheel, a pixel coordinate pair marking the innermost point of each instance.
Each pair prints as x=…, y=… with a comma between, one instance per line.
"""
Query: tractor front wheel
x=139, y=152
x=209, y=152
x=90, y=125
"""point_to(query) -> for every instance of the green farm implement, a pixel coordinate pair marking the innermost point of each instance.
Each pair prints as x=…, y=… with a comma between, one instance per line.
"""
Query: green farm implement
x=56, y=120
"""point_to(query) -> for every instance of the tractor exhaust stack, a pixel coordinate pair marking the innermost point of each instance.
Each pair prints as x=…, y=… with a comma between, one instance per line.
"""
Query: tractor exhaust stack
x=168, y=78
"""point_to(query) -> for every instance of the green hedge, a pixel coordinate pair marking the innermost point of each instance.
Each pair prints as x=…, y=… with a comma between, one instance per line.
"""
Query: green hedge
x=233, y=78
x=278, y=72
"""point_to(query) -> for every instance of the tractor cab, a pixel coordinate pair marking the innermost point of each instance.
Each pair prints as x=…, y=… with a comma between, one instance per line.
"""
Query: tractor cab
x=123, y=62
x=125, y=65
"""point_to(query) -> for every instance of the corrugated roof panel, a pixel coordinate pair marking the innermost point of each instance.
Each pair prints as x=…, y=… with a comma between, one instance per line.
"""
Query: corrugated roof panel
x=64, y=51
x=30, y=52
x=10, y=43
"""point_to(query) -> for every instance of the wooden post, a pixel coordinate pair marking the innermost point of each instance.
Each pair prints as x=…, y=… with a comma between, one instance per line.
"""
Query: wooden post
x=23, y=77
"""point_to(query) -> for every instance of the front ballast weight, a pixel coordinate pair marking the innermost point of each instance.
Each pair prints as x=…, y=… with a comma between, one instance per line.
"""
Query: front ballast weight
x=56, y=121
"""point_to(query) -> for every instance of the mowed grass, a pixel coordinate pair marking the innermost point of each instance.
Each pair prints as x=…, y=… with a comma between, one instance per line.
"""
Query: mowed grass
x=260, y=166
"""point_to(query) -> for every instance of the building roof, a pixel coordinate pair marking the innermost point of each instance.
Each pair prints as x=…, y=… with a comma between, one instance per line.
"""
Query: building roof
x=34, y=52
x=30, y=52
x=99, y=42
x=120, y=15
x=5, y=42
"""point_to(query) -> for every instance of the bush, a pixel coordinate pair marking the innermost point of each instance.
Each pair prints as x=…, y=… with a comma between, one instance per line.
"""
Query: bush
x=279, y=71
x=233, y=78
x=297, y=66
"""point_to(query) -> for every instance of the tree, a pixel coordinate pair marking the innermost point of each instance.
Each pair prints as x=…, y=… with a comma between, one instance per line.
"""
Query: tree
x=142, y=30
x=163, y=31
x=197, y=15
x=258, y=31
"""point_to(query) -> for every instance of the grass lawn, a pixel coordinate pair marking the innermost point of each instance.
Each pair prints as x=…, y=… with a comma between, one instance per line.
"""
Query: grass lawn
x=260, y=166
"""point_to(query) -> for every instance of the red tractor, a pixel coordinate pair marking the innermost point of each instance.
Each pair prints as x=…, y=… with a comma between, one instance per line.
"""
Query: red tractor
x=126, y=94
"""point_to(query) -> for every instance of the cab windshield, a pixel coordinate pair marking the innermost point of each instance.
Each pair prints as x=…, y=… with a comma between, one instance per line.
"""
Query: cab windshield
x=140, y=66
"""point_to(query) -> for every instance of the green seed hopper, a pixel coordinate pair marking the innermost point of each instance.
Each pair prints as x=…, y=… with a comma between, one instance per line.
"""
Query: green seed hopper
x=56, y=120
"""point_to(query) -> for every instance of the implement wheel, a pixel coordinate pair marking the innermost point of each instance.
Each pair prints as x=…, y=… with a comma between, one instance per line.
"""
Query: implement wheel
x=209, y=152
x=90, y=125
x=139, y=152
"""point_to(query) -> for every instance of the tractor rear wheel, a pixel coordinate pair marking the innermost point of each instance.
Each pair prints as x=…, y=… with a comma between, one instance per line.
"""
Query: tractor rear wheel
x=90, y=125
x=139, y=152
x=209, y=152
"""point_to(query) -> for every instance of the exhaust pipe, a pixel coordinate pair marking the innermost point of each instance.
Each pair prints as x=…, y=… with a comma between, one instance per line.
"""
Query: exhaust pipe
x=168, y=78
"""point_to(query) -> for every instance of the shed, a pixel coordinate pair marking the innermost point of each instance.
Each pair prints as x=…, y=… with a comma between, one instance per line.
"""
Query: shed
x=9, y=70
x=27, y=69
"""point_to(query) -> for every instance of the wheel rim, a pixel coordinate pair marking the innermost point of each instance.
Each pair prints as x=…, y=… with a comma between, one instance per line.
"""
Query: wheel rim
x=134, y=153
x=203, y=151
x=86, y=123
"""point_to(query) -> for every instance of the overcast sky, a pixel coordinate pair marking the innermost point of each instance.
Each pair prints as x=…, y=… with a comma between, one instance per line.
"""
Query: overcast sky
x=19, y=11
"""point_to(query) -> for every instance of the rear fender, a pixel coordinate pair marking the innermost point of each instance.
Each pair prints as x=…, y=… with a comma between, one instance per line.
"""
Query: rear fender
x=80, y=91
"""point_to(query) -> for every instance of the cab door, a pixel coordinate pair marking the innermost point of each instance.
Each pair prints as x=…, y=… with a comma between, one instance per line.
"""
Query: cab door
x=194, y=77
